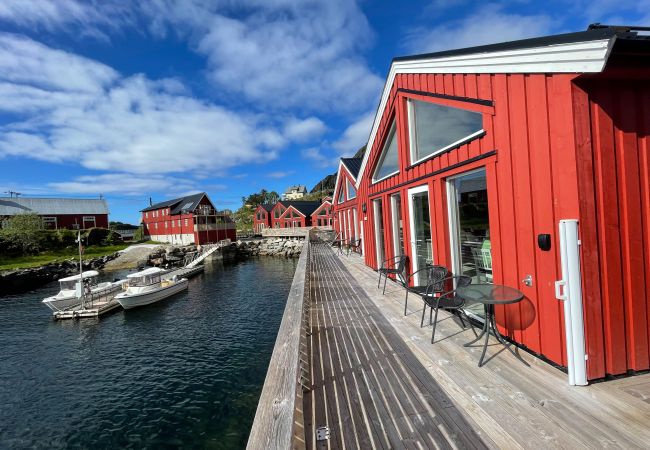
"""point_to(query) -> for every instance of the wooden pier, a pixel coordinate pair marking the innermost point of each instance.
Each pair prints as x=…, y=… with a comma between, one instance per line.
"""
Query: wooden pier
x=365, y=376
x=94, y=307
x=184, y=272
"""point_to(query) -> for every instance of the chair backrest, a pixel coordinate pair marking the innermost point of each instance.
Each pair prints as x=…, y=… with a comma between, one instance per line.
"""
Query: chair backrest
x=482, y=258
x=401, y=263
x=436, y=276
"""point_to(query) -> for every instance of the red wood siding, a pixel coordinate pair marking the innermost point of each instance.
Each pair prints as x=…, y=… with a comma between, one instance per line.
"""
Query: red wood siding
x=528, y=153
x=71, y=221
x=613, y=129
x=346, y=227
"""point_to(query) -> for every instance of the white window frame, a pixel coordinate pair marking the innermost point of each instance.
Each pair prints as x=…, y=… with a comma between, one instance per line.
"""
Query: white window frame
x=347, y=189
x=88, y=219
x=50, y=219
x=391, y=133
x=413, y=133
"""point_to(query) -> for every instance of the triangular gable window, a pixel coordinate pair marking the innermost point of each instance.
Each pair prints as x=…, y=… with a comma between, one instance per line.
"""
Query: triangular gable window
x=341, y=194
x=388, y=163
x=352, y=192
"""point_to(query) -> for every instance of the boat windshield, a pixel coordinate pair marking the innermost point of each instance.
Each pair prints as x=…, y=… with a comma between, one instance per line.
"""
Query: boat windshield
x=69, y=285
x=144, y=281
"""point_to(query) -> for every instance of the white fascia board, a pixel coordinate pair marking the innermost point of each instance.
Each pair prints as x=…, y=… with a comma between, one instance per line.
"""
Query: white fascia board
x=576, y=57
x=338, y=175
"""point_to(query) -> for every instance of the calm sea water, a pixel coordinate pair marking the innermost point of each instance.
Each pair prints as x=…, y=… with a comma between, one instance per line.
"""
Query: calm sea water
x=184, y=373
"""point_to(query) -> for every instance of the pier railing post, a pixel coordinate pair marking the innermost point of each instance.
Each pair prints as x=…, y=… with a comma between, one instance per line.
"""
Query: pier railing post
x=274, y=426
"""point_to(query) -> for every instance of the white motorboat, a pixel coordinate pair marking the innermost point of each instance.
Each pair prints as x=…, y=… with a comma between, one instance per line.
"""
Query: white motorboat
x=70, y=292
x=146, y=287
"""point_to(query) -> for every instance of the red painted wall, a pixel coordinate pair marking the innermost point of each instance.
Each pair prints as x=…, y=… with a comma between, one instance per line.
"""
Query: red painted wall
x=69, y=220
x=287, y=221
x=528, y=155
x=613, y=130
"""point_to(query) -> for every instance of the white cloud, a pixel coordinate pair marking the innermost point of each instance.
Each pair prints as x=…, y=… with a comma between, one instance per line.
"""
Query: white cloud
x=88, y=113
x=123, y=183
x=355, y=135
x=489, y=24
x=54, y=15
x=304, y=130
x=283, y=54
x=316, y=155
x=280, y=173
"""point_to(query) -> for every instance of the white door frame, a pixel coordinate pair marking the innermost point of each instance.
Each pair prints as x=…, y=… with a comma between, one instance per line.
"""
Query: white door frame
x=414, y=260
x=379, y=248
x=452, y=213
x=395, y=222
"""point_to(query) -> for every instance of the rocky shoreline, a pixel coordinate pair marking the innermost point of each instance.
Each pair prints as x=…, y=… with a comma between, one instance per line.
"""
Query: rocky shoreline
x=23, y=280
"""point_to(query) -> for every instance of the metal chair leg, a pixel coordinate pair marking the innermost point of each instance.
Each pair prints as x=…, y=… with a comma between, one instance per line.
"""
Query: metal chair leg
x=379, y=282
x=430, y=314
x=406, y=300
x=424, y=310
x=385, y=280
x=435, y=322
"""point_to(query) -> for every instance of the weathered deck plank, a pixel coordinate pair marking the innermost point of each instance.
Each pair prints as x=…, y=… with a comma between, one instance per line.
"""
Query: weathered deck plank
x=367, y=386
x=508, y=404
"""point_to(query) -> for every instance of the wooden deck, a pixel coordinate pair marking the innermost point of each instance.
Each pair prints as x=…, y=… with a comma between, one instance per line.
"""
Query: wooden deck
x=378, y=382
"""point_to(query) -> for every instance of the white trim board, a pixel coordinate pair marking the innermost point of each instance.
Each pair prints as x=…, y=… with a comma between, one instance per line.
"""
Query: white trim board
x=576, y=57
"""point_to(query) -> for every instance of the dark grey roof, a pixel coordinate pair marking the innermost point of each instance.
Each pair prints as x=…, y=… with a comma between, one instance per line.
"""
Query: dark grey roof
x=353, y=165
x=595, y=32
x=305, y=207
x=10, y=206
x=187, y=203
x=268, y=206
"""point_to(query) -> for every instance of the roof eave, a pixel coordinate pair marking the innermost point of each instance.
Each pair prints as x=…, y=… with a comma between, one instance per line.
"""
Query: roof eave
x=589, y=56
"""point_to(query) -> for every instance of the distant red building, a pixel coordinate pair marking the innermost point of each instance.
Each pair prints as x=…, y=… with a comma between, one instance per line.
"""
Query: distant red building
x=322, y=217
x=187, y=220
x=346, y=218
x=262, y=217
x=71, y=213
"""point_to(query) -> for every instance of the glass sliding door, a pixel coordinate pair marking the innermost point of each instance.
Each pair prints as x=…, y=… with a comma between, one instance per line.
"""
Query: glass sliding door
x=420, y=225
x=469, y=227
x=398, y=230
x=355, y=219
x=379, y=230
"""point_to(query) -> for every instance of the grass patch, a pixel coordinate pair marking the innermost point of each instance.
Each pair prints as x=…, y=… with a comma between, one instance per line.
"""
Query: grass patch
x=23, y=262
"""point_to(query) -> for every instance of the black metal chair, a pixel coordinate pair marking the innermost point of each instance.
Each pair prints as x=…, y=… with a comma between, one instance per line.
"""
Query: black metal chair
x=392, y=266
x=354, y=246
x=448, y=300
x=430, y=279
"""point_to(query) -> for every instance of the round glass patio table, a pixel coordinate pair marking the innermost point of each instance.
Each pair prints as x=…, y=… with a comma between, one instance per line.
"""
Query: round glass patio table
x=490, y=295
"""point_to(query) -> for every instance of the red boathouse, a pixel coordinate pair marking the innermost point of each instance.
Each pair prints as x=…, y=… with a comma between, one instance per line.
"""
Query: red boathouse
x=346, y=217
x=192, y=219
x=59, y=213
x=502, y=161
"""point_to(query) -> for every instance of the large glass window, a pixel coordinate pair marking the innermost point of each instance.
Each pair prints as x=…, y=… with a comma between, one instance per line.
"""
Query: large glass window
x=341, y=195
x=398, y=228
x=435, y=128
x=388, y=163
x=352, y=192
x=470, y=230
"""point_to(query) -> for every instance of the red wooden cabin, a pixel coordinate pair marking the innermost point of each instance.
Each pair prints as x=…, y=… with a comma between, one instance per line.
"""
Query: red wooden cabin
x=476, y=156
x=346, y=216
x=192, y=219
x=262, y=217
x=322, y=217
x=298, y=214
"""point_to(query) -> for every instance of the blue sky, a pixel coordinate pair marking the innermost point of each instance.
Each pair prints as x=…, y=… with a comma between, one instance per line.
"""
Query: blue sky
x=157, y=98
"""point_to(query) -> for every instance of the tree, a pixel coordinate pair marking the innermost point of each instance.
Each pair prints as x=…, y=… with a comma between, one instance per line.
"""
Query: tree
x=261, y=197
x=243, y=218
x=23, y=231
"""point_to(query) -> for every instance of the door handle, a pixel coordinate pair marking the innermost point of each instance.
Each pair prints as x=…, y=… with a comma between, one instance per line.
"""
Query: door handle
x=559, y=290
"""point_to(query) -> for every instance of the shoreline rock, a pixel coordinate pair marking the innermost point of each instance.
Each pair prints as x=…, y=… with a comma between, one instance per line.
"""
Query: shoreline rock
x=23, y=280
